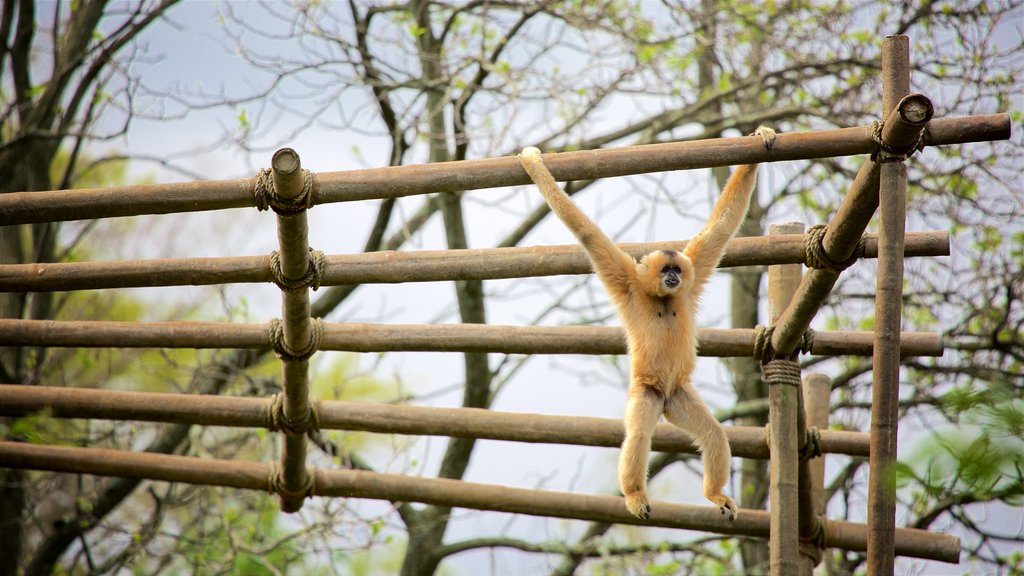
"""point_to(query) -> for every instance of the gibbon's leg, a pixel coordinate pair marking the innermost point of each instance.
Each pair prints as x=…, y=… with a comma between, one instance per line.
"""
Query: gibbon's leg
x=643, y=408
x=685, y=409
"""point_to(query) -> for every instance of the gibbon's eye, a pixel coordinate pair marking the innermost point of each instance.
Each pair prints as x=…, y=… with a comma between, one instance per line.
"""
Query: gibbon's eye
x=671, y=269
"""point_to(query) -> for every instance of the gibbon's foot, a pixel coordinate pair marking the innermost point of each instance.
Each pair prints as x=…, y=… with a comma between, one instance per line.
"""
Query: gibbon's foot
x=767, y=136
x=726, y=505
x=638, y=505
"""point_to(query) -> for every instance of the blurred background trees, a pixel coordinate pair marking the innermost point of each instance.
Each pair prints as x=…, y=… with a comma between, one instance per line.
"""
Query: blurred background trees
x=97, y=93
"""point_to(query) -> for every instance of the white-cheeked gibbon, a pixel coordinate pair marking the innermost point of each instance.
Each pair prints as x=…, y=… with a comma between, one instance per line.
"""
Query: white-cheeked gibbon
x=657, y=300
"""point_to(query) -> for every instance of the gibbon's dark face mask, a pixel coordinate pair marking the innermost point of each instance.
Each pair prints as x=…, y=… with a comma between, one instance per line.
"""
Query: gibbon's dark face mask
x=670, y=276
x=670, y=272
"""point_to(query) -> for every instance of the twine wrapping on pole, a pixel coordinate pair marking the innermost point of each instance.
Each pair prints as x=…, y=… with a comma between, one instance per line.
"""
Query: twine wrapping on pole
x=275, y=334
x=813, y=545
x=276, y=484
x=311, y=279
x=812, y=445
x=277, y=421
x=885, y=153
x=266, y=197
x=781, y=371
x=763, y=351
x=817, y=257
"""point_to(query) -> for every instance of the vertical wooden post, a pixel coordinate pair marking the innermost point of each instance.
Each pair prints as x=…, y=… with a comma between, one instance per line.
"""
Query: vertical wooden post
x=293, y=237
x=783, y=413
x=888, y=320
x=816, y=392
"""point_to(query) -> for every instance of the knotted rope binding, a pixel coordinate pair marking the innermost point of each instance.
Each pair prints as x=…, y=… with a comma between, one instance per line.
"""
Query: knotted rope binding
x=885, y=153
x=311, y=279
x=266, y=196
x=812, y=446
x=277, y=421
x=275, y=484
x=813, y=544
x=275, y=334
x=763, y=351
x=816, y=255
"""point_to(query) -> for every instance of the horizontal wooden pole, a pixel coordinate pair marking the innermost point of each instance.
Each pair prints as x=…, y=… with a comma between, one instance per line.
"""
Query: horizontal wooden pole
x=360, y=337
x=415, y=266
x=443, y=492
x=210, y=410
x=399, y=181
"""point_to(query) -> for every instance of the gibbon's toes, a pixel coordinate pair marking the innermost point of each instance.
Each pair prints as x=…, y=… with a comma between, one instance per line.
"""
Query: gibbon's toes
x=727, y=506
x=638, y=505
x=767, y=136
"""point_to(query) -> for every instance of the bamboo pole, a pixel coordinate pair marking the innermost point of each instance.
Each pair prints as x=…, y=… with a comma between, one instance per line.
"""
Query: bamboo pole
x=783, y=415
x=297, y=329
x=413, y=266
x=399, y=181
x=362, y=337
x=816, y=389
x=445, y=492
x=211, y=410
x=906, y=122
x=888, y=319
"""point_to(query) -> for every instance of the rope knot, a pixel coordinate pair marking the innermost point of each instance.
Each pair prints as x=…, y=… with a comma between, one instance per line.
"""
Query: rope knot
x=311, y=279
x=277, y=421
x=266, y=196
x=817, y=257
x=781, y=371
x=812, y=445
x=276, y=484
x=275, y=334
x=885, y=153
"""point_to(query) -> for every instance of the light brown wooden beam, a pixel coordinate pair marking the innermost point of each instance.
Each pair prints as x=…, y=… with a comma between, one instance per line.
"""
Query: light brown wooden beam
x=445, y=492
x=211, y=410
x=392, y=267
x=409, y=180
x=361, y=337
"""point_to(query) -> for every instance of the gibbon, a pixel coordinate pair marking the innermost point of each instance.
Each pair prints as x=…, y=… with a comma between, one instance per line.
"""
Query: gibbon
x=657, y=300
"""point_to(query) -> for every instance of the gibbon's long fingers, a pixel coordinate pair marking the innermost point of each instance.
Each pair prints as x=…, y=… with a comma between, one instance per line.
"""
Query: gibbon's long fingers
x=531, y=161
x=767, y=136
x=685, y=409
x=643, y=408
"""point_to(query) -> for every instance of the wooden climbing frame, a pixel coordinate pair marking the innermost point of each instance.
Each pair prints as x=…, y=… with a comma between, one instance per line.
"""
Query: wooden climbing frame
x=796, y=525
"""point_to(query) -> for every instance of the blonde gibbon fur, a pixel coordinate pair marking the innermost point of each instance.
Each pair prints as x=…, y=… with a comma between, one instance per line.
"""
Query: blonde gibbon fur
x=657, y=300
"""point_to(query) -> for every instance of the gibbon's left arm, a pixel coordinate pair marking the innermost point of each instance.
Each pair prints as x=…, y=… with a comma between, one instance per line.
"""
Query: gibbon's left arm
x=705, y=250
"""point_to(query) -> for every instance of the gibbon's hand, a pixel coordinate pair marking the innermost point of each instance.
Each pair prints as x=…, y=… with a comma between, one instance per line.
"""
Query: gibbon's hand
x=767, y=136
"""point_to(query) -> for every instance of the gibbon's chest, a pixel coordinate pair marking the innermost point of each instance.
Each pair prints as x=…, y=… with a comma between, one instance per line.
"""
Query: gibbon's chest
x=660, y=328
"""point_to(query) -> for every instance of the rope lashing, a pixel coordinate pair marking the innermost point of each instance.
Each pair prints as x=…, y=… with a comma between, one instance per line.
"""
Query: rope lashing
x=311, y=279
x=763, y=351
x=812, y=445
x=763, y=342
x=276, y=484
x=817, y=257
x=781, y=371
x=885, y=153
x=265, y=195
x=275, y=334
x=813, y=544
x=277, y=421
x=812, y=442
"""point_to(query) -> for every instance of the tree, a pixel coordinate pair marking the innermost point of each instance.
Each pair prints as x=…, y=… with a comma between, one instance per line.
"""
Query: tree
x=435, y=81
x=47, y=107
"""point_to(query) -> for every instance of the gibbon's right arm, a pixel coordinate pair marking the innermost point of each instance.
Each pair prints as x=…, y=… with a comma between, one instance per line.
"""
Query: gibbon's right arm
x=613, y=266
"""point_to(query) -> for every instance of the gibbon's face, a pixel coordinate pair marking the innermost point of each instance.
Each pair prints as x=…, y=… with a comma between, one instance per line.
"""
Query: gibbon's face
x=665, y=272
